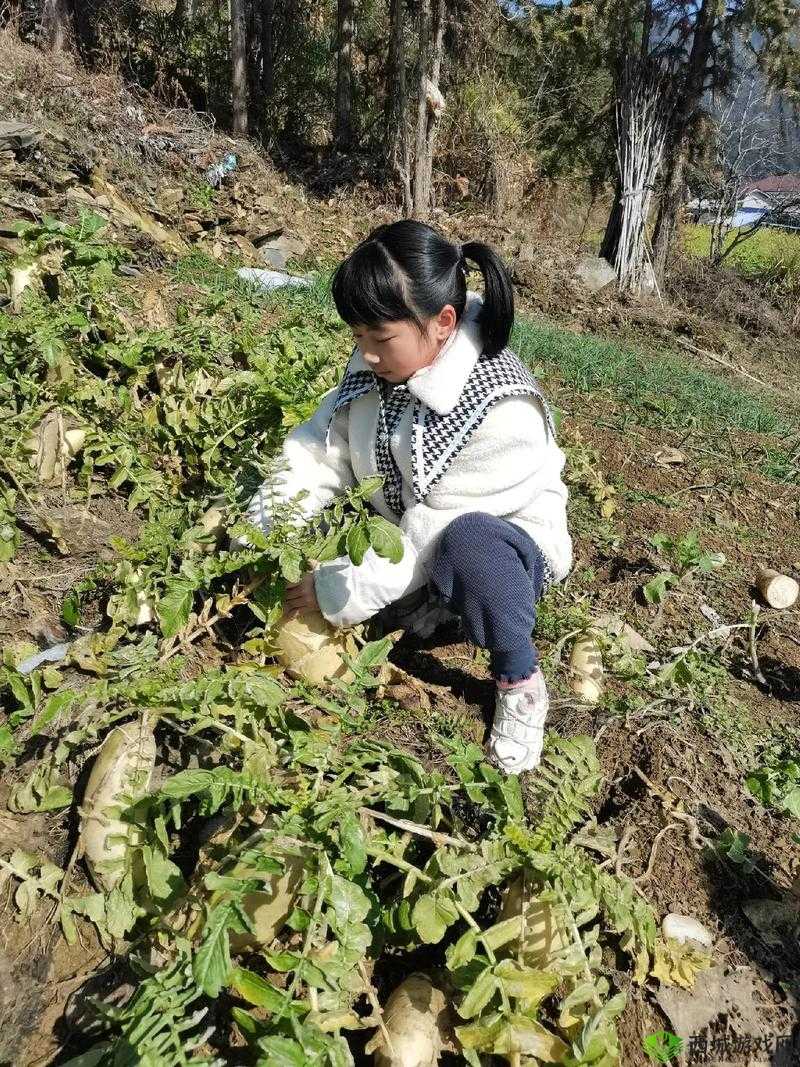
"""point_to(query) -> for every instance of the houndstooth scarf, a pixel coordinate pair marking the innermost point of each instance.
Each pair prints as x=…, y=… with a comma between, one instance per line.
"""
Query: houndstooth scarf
x=437, y=438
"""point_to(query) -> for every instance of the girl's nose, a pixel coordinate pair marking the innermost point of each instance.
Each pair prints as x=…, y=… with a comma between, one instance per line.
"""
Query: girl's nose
x=370, y=358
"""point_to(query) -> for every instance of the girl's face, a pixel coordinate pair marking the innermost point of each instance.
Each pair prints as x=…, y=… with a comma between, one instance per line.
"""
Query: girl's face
x=396, y=350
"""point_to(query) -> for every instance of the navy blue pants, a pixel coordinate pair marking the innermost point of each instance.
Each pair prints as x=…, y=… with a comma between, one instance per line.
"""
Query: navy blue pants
x=491, y=573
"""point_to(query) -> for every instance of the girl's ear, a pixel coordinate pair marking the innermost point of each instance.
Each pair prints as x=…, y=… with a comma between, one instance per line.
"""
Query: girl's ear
x=445, y=322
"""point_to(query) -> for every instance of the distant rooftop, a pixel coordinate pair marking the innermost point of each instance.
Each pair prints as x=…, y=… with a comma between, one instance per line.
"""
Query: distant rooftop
x=779, y=184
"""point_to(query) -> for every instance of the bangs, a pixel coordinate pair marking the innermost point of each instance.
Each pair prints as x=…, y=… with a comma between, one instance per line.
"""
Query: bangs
x=368, y=288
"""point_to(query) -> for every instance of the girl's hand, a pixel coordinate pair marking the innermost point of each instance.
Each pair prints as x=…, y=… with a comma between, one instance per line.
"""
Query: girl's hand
x=300, y=597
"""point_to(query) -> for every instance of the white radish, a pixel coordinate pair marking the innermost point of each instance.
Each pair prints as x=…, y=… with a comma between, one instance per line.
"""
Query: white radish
x=415, y=1023
x=311, y=649
x=778, y=590
x=268, y=909
x=146, y=612
x=586, y=664
x=683, y=928
x=74, y=441
x=541, y=936
x=212, y=523
x=21, y=279
x=120, y=775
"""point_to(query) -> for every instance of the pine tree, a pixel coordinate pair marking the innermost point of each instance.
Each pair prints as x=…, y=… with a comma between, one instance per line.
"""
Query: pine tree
x=239, y=85
x=345, y=17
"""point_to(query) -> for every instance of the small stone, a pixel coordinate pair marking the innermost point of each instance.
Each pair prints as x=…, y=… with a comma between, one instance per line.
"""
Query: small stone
x=273, y=257
x=277, y=253
x=669, y=457
x=595, y=273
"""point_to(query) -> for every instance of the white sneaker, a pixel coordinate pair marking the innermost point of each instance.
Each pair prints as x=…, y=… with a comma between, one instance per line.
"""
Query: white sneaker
x=515, y=743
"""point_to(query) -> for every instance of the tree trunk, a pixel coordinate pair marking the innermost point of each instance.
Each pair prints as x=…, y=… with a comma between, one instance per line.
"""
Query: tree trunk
x=182, y=14
x=267, y=47
x=85, y=25
x=423, y=63
x=395, y=79
x=55, y=30
x=343, y=132
x=671, y=201
x=239, y=92
x=430, y=104
x=397, y=130
x=678, y=140
x=610, y=243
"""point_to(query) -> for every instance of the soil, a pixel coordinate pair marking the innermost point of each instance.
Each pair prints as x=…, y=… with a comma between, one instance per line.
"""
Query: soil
x=34, y=585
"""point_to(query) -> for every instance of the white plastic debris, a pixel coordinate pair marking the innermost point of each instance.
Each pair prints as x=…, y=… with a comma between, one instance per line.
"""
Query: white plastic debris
x=683, y=928
x=271, y=279
x=217, y=174
x=49, y=655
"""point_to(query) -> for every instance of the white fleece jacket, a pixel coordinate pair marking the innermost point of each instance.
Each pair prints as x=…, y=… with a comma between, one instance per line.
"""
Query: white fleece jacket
x=510, y=467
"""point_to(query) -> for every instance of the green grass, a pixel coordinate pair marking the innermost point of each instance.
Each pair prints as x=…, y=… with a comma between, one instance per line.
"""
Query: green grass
x=766, y=252
x=662, y=389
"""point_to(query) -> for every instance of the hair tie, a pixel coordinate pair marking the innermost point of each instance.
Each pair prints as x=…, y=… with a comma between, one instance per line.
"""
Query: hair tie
x=462, y=260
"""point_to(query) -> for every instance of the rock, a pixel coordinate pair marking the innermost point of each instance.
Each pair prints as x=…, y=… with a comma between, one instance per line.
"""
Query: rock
x=169, y=199
x=683, y=928
x=595, y=273
x=18, y=136
x=130, y=215
x=776, y=920
x=617, y=627
x=277, y=253
x=191, y=225
x=262, y=231
x=715, y=993
x=669, y=457
x=247, y=248
x=274, y=257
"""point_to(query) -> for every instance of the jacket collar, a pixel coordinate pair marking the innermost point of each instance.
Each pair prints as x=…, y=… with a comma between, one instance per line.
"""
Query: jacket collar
x=440, y=385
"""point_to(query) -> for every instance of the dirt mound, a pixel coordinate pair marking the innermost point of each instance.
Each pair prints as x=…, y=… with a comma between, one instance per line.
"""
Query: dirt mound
x=100, y=146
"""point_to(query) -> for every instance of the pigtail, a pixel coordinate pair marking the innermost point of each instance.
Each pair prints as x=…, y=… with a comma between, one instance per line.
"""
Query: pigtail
x=497, y=314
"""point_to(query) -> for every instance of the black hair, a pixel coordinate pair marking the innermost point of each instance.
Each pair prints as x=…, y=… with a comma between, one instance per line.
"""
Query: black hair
x=408, y=270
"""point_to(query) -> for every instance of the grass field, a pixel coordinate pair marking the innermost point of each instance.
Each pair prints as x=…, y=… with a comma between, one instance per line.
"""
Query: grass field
x=766, y=252
x=664, y=389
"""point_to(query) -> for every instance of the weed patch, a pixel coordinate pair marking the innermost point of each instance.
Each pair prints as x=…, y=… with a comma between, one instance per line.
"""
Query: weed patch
x=767, y=253
x=663, y=390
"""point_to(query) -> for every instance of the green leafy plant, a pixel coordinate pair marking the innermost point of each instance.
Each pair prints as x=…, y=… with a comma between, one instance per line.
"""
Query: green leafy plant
x=776, y=782
x=9, y=532
x=683, y=557
x=733, y=846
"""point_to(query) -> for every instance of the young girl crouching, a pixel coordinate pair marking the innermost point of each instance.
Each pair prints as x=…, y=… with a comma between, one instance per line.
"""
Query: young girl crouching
x=435, y=403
